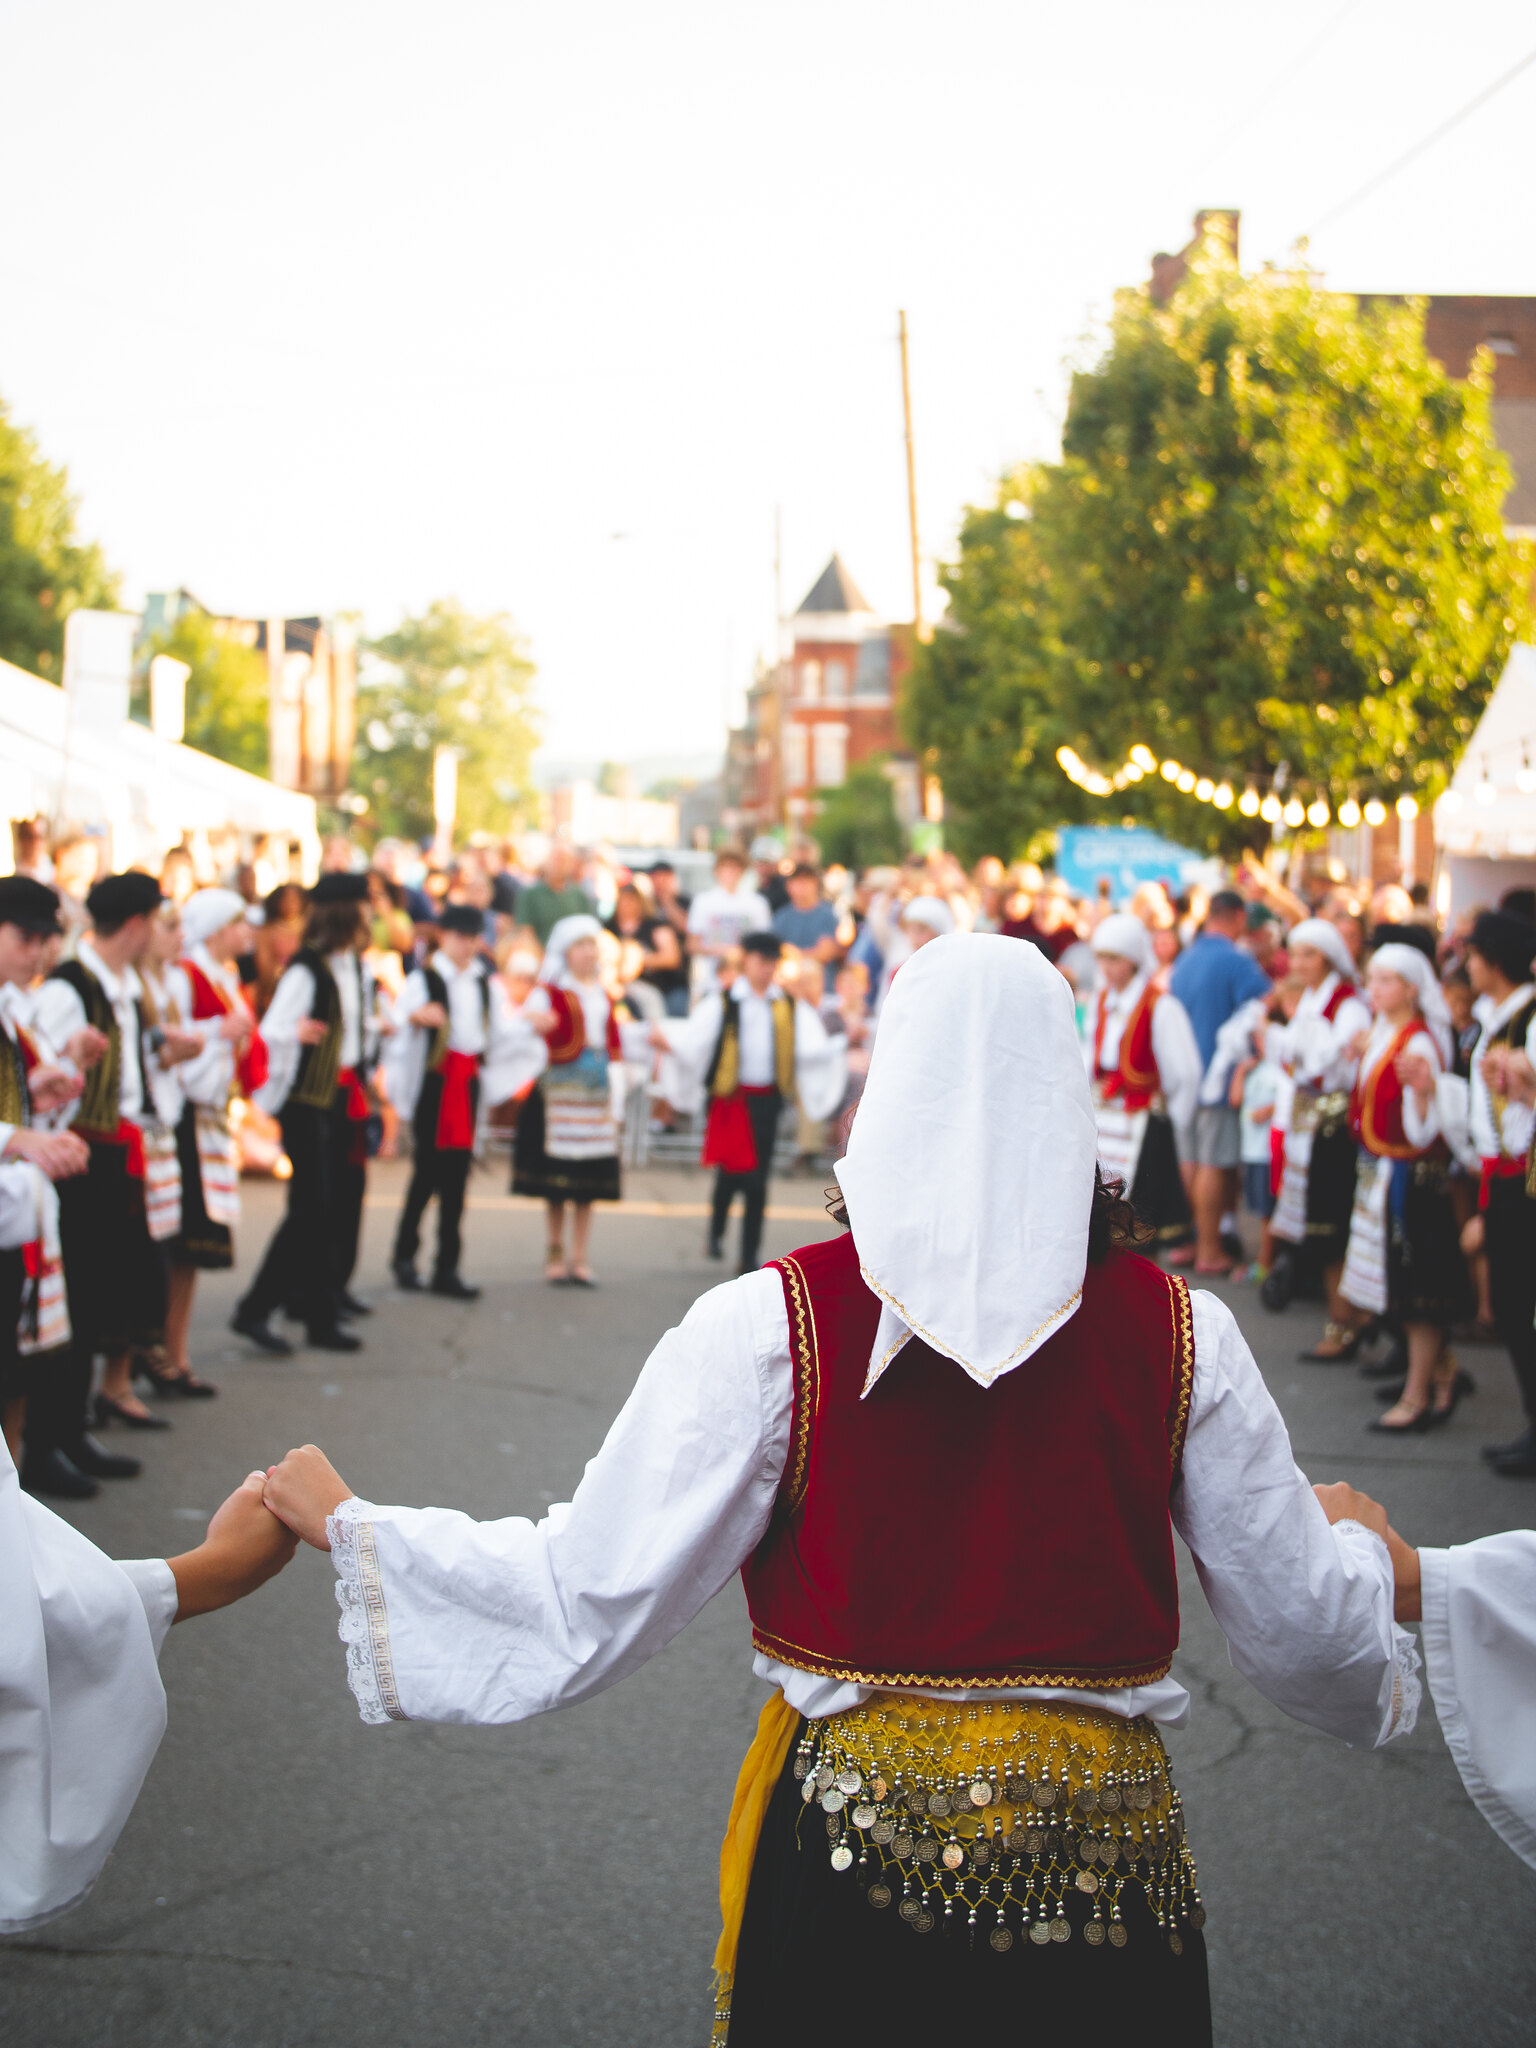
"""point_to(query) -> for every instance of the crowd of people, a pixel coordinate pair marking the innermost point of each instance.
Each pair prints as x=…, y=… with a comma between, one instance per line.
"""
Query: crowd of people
x=1314, y=1092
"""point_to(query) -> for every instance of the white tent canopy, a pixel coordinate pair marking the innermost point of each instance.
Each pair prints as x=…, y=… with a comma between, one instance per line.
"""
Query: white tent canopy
x=1485, y=824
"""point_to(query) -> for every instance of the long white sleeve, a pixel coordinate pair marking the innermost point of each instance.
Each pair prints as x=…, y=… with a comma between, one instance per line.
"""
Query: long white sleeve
x=404, y=1059
x=1177, y=1053
x=82, y=1709
x=57, y=1014
x=292, y=1001
x=821, y=1064
x=680, y=1075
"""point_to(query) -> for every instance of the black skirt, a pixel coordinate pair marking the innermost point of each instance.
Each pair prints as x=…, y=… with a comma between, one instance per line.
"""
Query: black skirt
x=1427, y=1276
x=1331, y=1190
x=113, y=1269
x=1158, y=1195
x=557, y=1180
x=200, y=1241
x=818, y=1967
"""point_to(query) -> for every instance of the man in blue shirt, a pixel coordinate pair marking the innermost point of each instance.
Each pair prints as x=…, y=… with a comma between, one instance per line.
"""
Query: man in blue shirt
x=806, y=922
x=1212, y=979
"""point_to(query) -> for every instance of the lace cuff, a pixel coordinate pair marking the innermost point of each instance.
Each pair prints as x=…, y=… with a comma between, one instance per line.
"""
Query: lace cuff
x=1407, y=1691
x=364, y=1624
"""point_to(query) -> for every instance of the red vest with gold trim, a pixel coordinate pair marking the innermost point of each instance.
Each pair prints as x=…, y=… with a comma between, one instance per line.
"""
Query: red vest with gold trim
x=1337, y=1000
x=942, y=1534
x=1376, y=1103
x=1135, y=1081
x=568, y=1040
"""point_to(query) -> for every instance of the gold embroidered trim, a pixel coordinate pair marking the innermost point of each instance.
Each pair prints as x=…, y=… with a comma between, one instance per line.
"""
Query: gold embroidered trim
x=1183, y=1366
x=807, y=1381
x=1085, y=1680
x=372, y=1581
x=984, y=1376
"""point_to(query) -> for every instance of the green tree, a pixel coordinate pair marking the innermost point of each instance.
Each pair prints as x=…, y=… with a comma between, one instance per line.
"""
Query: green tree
x=226, y=691
x=449, y=678
x=856, y=823
x=45, y=572
x=1273, y=535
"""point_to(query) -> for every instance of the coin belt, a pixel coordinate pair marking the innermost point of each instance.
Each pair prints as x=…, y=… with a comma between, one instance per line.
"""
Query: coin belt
x=993, y=1812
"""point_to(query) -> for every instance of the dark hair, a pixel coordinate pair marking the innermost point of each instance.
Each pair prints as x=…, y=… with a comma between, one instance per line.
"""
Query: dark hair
x=1226, y=903
x=1113, y=1225
x=802, y=870
x=332, y=927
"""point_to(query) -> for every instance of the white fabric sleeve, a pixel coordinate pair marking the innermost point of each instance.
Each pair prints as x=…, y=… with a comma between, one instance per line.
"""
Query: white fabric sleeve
x=57, y=1014
x=292, y=1001
x=82, y=1709
x=515, y=1054
x=404, y=1058
x=680, y=1073
x=155, y=1583
x=1479, y=1602
x=821, y=1064
x=1306, y=1607
x=1517, y=1126
x=1177, y=1053
x=449, y=1619
x=18, y=1199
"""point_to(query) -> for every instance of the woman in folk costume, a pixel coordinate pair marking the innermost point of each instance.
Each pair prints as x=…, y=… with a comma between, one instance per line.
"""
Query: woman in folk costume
x=566, y=1148
x=958, y=1796
x=1144, y=1070
x=458, y=1048
x=206, y=987
x=1317, y=1189
x=1404, y=1256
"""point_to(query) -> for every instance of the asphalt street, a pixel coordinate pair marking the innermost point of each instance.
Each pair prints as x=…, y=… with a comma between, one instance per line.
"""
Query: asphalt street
x=293, y=1879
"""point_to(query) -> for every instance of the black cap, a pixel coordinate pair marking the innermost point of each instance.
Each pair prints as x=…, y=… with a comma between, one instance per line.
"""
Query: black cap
x=462, y=917
x=115, y=898
x=1505, y=942
x=769, y=944
x=340, y=889
x=31, y=905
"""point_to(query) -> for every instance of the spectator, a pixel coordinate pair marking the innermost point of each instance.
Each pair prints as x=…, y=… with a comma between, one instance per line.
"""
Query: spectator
x=338, y=856
x=1212, y=979
x=1048, y=923
x=720, y=918
x=768, y=856
x=1264, y=942
x=556, y=894
x=807, y=921
x=76, y=867
x=670, y=903
x=29, y=850
x=651, y=953
x=177, y=876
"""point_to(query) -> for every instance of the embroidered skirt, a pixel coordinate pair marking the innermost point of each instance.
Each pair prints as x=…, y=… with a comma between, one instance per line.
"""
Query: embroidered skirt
x=536, y=1172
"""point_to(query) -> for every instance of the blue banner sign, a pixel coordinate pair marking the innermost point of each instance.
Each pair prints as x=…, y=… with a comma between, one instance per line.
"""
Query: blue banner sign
x=1128, y=854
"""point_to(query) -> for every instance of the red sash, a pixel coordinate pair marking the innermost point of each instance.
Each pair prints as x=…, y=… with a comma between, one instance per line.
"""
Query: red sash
x=128, y=1135
x=456, y=1108
x=729, y=1142
x=353, y=1094
x=1502, y=1168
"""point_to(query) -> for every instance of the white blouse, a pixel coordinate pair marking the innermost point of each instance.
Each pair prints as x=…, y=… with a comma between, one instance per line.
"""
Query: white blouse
x=1315, y=1049
x=1174, y=1047
x=449, y=1619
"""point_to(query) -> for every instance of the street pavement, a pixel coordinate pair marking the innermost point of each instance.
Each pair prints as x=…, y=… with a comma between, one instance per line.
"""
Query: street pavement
x=293, y=1879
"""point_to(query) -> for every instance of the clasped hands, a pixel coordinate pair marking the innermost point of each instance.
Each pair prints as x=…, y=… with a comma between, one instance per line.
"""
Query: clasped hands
x=1342, y=1502
x=257, y=1530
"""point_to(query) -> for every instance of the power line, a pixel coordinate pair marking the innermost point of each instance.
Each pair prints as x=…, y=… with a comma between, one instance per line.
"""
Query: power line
x=1428, y=142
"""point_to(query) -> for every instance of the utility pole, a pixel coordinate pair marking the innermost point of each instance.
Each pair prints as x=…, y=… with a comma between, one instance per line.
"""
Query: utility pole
x=906, y=411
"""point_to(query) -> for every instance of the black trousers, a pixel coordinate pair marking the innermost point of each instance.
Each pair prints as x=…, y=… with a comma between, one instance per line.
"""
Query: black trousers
x=443, y=1174
x=752, y=1187
x=883, y=1981
x=349, y=1183
x=1509, y=1224
x=299, y=1271
x=13, y=1278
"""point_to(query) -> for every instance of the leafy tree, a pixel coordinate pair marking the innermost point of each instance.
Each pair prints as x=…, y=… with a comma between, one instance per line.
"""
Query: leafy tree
x=856, y=823
x=450, y=679
x=45, y=572
x=226, y=691
x=1273, y=535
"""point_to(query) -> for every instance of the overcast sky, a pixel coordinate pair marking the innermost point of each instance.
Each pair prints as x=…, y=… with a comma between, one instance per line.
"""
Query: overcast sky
x=338, y=307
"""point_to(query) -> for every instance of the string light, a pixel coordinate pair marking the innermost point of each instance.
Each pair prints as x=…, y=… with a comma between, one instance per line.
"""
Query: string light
x=1317, y=814
x=1186, y=781
x=1349, y=814
x=1171, y=771
x=1248, y=802
x=1407, y=807
x=1141, y=762
x=1205, y=789
x=1375, y=812
x=1222, y=796
x=1294, y=813
x=1270, y=810
x=1144, y=758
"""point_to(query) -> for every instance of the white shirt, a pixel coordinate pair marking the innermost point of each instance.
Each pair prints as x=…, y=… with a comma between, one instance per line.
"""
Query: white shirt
x=723, y=917
x=1174, y=1047
x=82, y=1708
x=60, y=1014
x=511, y=1052
x=448, y=1619
x=1314, y=1050
x=1420, y=1046
x=1513, y=1135
x=292, y=1001
x=209, y=1078
x=821, y=1060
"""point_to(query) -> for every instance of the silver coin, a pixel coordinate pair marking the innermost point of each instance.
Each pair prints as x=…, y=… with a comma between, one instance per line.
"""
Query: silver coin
x=1109, y=1851
x=849, y=1782
x=1045, y=1794
x=882, y=1832
x=910, y=1908
x=879, y=1895
x=825, y=1776
x=842, y=1856
x=1086, y=1881
x=1087, y=1799
x=954, y=1856
x=834, y=1827
x=901, y=1845
x=1175, y=1942
x=863, y=1816
x=1139, y=1797
x=981, y=1853
x=1109, y=1798
x=927, y=1849
x=923, y=1924
x=877, y=1789
x=1061, y=1930
x=981, y=1793
x=832, y=1802
x=1001, y=1938
x=1034, y=1840
x=1087, y=1850
x=1117, y=1934
x=800, y=1767
x=938, y=1804
x=1039, y=1933
x=808, y=1790
x=1197, y=1918
x=1093, y=1934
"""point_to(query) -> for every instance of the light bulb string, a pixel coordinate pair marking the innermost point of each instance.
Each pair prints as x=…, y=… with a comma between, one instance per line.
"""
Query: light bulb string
x=1142, y=765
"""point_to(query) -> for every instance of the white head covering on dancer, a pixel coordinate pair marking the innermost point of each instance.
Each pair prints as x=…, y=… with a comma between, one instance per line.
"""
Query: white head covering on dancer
x=1414, y=967
x=207, y=911
x=931, y=911
x=561, y=940
x=969, y=1173
x=1327, y=939
x=1127, y=938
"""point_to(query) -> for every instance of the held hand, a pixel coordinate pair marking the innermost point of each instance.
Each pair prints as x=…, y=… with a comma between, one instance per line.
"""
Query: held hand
x=50, y=1088
x=86, y=1046
x=1519, y=1076
x=237, y=1025
x=658, y=1040
x=245, y=1546
x=545, y=1022
x=431, y=1017
x=1415, y=1072
x=1408, y=1601
x=310, y=1030
x=1345, y=1503
x=58, y=1154
x=178, y=1046
x=304, y=1491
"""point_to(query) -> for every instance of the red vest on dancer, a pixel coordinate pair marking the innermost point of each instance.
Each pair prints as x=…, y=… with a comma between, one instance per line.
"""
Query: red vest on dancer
x=1376, y=1103
x=943, y=1534
x=208, y=1002
x=1336, y=1001
x=1135, y=1081
x=568, y=1040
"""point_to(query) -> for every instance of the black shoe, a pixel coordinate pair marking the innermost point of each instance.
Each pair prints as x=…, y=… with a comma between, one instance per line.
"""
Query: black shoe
x=260, y=1333
x=88, y=1457
x=106, y=1411
x=714, y=1249
x=455, y=1288
x=1393, y=1366
x=1521, y=1446
x=407, y=1279
x=333, y=1339
x=1517, y=1468
x=58, y=1477
x=185, y=1386
x=347, y=1304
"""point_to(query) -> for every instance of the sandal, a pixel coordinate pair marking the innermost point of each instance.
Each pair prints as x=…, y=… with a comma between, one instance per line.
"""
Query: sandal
x=1419, y=1419
x=556, y=1271
x=107, y=1409
x=1346, y=1340
x=1446, y=1393
x=581, y=1276
x=183, y=1382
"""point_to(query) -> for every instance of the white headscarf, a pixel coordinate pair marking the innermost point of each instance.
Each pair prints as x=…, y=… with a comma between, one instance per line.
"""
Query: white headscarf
x=1127, y=938
x=207, y=911
x=1414, y=968
x=932, y=911
x=1326, y=939
x=969, y=1172
x=561, y=939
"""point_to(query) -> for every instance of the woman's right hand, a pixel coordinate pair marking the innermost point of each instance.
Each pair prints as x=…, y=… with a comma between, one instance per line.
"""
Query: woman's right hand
x=310, y=1030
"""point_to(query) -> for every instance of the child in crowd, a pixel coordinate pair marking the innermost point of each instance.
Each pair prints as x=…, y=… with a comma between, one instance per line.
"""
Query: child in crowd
x=1260, y=1092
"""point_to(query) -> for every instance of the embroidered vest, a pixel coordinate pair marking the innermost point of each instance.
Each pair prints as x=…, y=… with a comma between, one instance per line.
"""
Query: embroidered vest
x=314, y=1084
x=1376, y=1103
x=568, y=1040
x=437, y=992
x=1135, y=1080
x=99, y=1113
x=1511, y=1032
x=17, y=1059
x=724, y=1076
x=943, y=1534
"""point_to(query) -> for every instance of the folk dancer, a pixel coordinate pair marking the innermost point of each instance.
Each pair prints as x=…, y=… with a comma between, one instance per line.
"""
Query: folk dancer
x=1404, y=1258
x=34, y=1321
x=458, y=1047
x=317, y=1031
x=1317, y=1188
x=205, y=984
x=975, y=1720
x=1144, y=1071
x=566, y=1147
x=749, y=1051
x=113, y=1275
x=1498, y=1129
